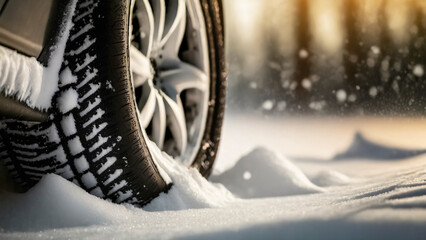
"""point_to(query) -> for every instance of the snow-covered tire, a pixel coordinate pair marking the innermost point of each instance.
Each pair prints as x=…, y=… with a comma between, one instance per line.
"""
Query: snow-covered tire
x=93, y=136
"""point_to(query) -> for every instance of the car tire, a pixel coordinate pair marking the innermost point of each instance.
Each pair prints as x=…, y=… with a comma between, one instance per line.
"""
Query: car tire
x=93, y=137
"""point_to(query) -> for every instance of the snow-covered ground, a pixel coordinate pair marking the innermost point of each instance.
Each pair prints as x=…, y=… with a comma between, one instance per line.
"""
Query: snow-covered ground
x=310, y=195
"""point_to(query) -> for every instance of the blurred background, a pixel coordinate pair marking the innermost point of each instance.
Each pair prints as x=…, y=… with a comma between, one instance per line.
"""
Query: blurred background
x=356, y=57
x=313, y=73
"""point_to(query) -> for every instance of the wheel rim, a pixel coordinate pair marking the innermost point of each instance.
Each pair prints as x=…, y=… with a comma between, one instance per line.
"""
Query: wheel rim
x=169, y=62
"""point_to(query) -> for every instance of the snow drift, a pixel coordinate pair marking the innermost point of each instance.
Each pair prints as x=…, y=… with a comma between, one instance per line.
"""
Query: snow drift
x=364, y=148
x=389, y=206
x=189, y=190
x=328, y=178
x=265, y=173
x=56, y=203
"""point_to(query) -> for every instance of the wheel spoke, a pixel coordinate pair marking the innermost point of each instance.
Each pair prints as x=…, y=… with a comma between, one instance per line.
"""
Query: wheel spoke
x=159, y=121
x=184, y=77
x=163, y=69
x=176, y=23
x=140, y=66
x=176, y=122
x=174, y=26
x=146, y=23
x=147, y=104
x=197, y=43
x=159, y=13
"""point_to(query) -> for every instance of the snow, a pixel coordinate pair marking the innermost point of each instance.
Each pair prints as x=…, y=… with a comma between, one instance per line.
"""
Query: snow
x=89, y=180
x=100, y=142
x=66, y=77
x=359, y=198
x=49, y=83
x=68, y=100
x=87, y=43
x=90, y=74
x=201, y=194
x=68, y=125
x=341, y=95
x=91, y=106
x=113, y=176
x=375, y=50
x=99, y=113
x=268, y=105
x=418, y=70
x=82, y=31
x=329, y=178
x=87, y=60
x=364, y=148
x=23, y=77
x=81, y=164
x=373, y=92
x=75, y=146
x=20, y=76
x=307, y=84
x=264, y=173
x=55, y=203
x=303, y=53
x=109, y=162
x=93, y=89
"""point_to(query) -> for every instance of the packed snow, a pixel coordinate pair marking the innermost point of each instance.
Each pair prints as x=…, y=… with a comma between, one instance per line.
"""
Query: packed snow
x=264, y=173
x=260, y=194
x=329, y=178
x=20, y=76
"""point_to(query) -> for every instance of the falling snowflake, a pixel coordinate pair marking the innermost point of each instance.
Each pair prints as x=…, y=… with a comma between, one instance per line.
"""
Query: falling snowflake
x=418, y=70
x=341, y=95
x=373, y=92
x=268, y=105
x=303, y=53
x=375, y=50
x=306, y=84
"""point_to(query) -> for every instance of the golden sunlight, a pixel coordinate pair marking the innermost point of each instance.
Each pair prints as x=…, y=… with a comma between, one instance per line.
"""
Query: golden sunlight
x=399, y=20
x=326, y=24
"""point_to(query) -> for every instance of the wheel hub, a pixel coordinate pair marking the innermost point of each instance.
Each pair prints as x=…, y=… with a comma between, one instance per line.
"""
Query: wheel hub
x=170, y=39
x=156, y=74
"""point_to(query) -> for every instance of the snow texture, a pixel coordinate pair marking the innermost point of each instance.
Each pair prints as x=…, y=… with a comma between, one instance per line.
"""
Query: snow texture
x=390, y=205
x=264, y=173
x=50, y=80
x=329, y=178
x=23, y=77
x=68, y=100
x=201, y=194
x=56, y=203
x=66, y=77
x=20, y=76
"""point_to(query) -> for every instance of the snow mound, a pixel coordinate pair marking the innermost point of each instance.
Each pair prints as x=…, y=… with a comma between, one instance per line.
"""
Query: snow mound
x=330, y=178
x=189, y=190
x=56, y=203
x=364, y=148
x=264, y=173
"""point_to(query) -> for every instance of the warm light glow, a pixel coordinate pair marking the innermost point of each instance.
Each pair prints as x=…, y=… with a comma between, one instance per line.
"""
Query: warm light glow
x=246, y=17
x=326, y=24
x=368, y=15
x=399, y=20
